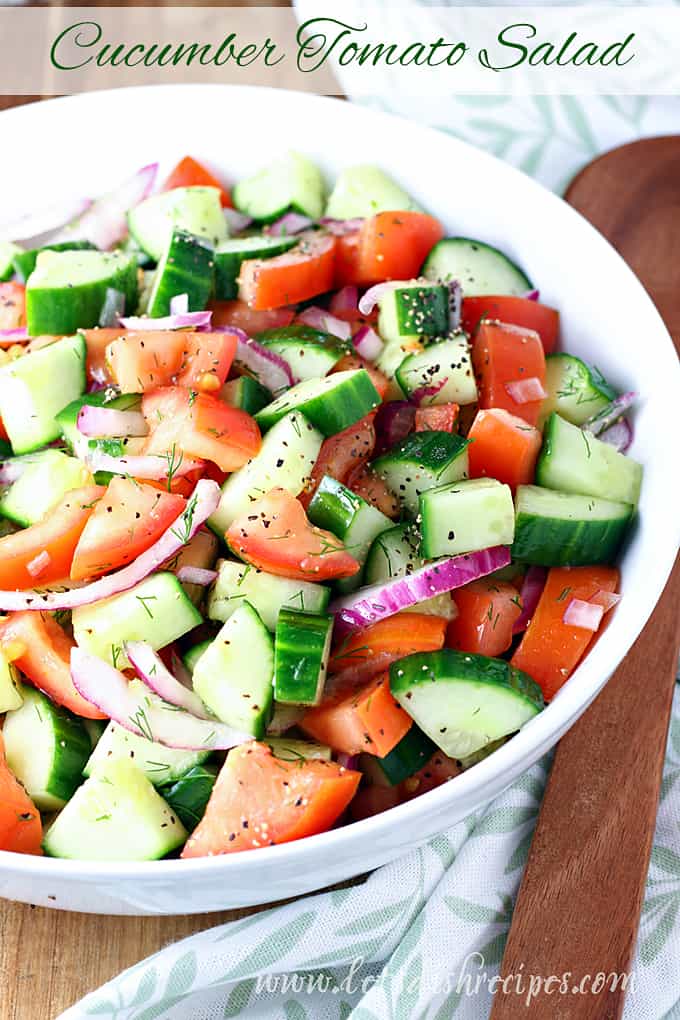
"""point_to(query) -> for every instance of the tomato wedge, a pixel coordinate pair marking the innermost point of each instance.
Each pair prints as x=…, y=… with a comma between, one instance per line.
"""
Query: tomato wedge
x=275, y=535
x=20, y=822
x=551, y=649
x=42, y=553
x=372, y=650
x=37, y=645
x=517, y=311
x=437, y=418
x=389, y=246
x=190, y=173
x=299, y=274
x=250, y=320
x=12, y=305
x=341, y=454
x=206, y=360
x=487, y=611
x=365, y=720
x=259, y=800
x=505, y=354
x=374, y=490
x=198, y=425
x=128, y=519
x=96, y=342
x=143, y=361
x=503, y=447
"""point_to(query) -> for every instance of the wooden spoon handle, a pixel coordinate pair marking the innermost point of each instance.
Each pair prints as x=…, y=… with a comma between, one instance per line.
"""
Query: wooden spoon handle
x=578, y=907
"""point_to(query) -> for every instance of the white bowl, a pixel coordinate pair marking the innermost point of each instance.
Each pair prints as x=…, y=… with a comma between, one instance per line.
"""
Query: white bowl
x=83, y=145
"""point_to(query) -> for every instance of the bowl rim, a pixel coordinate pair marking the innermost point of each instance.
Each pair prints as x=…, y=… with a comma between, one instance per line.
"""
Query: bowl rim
x=603, y=658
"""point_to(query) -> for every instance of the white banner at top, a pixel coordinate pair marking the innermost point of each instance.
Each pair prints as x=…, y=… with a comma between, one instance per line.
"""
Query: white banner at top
x=419, y=50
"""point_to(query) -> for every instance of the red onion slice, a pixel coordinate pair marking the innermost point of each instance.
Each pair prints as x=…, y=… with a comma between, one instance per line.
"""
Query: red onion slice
x=620, y=435
x=393, y=422
x=151, y=669
x=523, y=391
x=345, y=300
x=180, y=672
x=201, y=504
x=196, y=575
x=532, y=588
x=368, y=344
x=586, y=615
x=185, y=320
x=104, y=222
x=320, y=318
x=12, y=469
x=611, y=414
x=151, y=466
x=369, y=605
x=36, y=229
x=531, y=295
x=348, y=761
x=339, y=228
x=147, y=716
x=431, y=390
x=606, y=599
x=13, y=336
x=370, y=299
x=108, y=422
x=236, y=221
x=265, y=365
x=289, y=223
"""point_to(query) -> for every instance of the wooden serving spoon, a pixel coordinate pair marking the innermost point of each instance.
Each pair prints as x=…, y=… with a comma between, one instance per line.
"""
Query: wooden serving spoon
x=578, y=906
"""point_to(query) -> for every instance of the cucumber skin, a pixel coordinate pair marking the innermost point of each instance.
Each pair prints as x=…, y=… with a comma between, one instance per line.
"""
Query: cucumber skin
x=334, y=506
x=188, y=796
x=301, y=656
x=434, y=454
x=521, y=282
x=72, y=747
x=54, y=310
x=247, y=394
x=24, y=262
x=228, y=265
x=413, y=751
x=188, y=269
x=426, y=667
x=584, y=542
x=357, y=398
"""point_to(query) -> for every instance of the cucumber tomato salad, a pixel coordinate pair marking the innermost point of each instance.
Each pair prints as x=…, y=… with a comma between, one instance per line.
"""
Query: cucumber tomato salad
x=304, y=510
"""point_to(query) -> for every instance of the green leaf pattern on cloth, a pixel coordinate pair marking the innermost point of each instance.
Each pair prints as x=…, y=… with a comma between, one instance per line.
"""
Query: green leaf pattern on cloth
x=417, y=938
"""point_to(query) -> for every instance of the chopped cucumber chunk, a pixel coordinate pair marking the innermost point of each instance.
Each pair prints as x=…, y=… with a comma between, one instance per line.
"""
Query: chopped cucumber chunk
x=573, y=460
x=238, y=583
x=46, y=748
x=292, y=182
x=464, y=701
x=116, y=815
x=362, y=191
x=234, y=674
x=67, y=289
x=159, y=764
